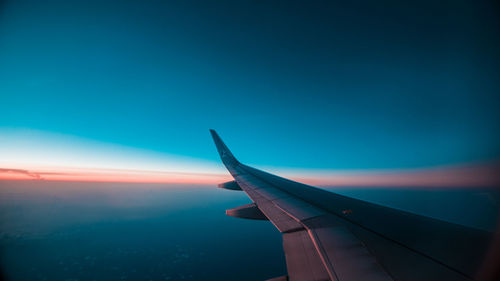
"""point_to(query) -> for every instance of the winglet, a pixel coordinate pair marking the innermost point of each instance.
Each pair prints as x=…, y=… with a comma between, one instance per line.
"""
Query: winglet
x=225, y=154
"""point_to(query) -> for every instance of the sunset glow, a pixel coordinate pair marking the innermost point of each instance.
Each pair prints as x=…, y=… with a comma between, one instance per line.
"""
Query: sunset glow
x=459, y=176
x=109, y=175
x=35, y=155
x=484, y=175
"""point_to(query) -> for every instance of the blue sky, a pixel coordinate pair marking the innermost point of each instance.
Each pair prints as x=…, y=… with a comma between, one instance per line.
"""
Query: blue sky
x=306, y=85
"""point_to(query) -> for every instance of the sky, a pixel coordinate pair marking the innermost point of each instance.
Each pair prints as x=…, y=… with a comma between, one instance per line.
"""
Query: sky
x=295, y=86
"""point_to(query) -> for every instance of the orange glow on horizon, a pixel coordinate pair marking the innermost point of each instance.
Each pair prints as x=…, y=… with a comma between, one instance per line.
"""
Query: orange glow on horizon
x=36, y=155
x=109, y=175
x=451, y=176
x=485, y=175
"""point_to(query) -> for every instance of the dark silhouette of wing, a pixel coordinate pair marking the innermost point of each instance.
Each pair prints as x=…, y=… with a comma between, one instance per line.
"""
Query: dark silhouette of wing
x=327, y=236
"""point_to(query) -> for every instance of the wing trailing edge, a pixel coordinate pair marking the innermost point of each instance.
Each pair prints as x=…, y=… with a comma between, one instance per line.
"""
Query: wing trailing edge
x=327, y=236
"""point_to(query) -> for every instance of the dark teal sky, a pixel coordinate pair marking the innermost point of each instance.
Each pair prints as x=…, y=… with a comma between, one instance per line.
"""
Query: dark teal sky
x=364, y=84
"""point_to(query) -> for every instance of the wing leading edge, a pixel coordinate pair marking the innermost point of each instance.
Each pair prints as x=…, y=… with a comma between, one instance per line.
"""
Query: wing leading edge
x=327, y=236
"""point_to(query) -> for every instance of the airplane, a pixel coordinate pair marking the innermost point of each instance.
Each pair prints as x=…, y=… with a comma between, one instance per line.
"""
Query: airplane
x=327, y=236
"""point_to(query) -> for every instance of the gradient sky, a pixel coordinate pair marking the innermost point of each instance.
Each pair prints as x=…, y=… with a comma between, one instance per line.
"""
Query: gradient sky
x=336, y=85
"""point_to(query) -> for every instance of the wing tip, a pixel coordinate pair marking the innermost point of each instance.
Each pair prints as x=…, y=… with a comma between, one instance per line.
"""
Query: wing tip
x=214, y=134
x=222, y=148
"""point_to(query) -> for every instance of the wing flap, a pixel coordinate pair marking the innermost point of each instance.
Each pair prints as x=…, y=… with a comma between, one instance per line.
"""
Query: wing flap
x=302, y=260
x=282, y=221
x=345, y=255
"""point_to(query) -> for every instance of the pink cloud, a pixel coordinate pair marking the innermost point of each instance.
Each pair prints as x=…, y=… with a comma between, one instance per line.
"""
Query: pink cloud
x=478, y=175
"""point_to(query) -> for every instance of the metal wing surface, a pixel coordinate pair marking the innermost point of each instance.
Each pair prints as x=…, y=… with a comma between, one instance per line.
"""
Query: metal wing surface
x=327, y=236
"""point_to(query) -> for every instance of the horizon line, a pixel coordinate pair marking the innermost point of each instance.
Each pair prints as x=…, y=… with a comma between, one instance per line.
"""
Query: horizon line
x=475, y=175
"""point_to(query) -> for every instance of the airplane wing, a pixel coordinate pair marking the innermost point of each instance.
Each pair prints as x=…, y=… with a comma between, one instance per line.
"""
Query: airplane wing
x=327, y=236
